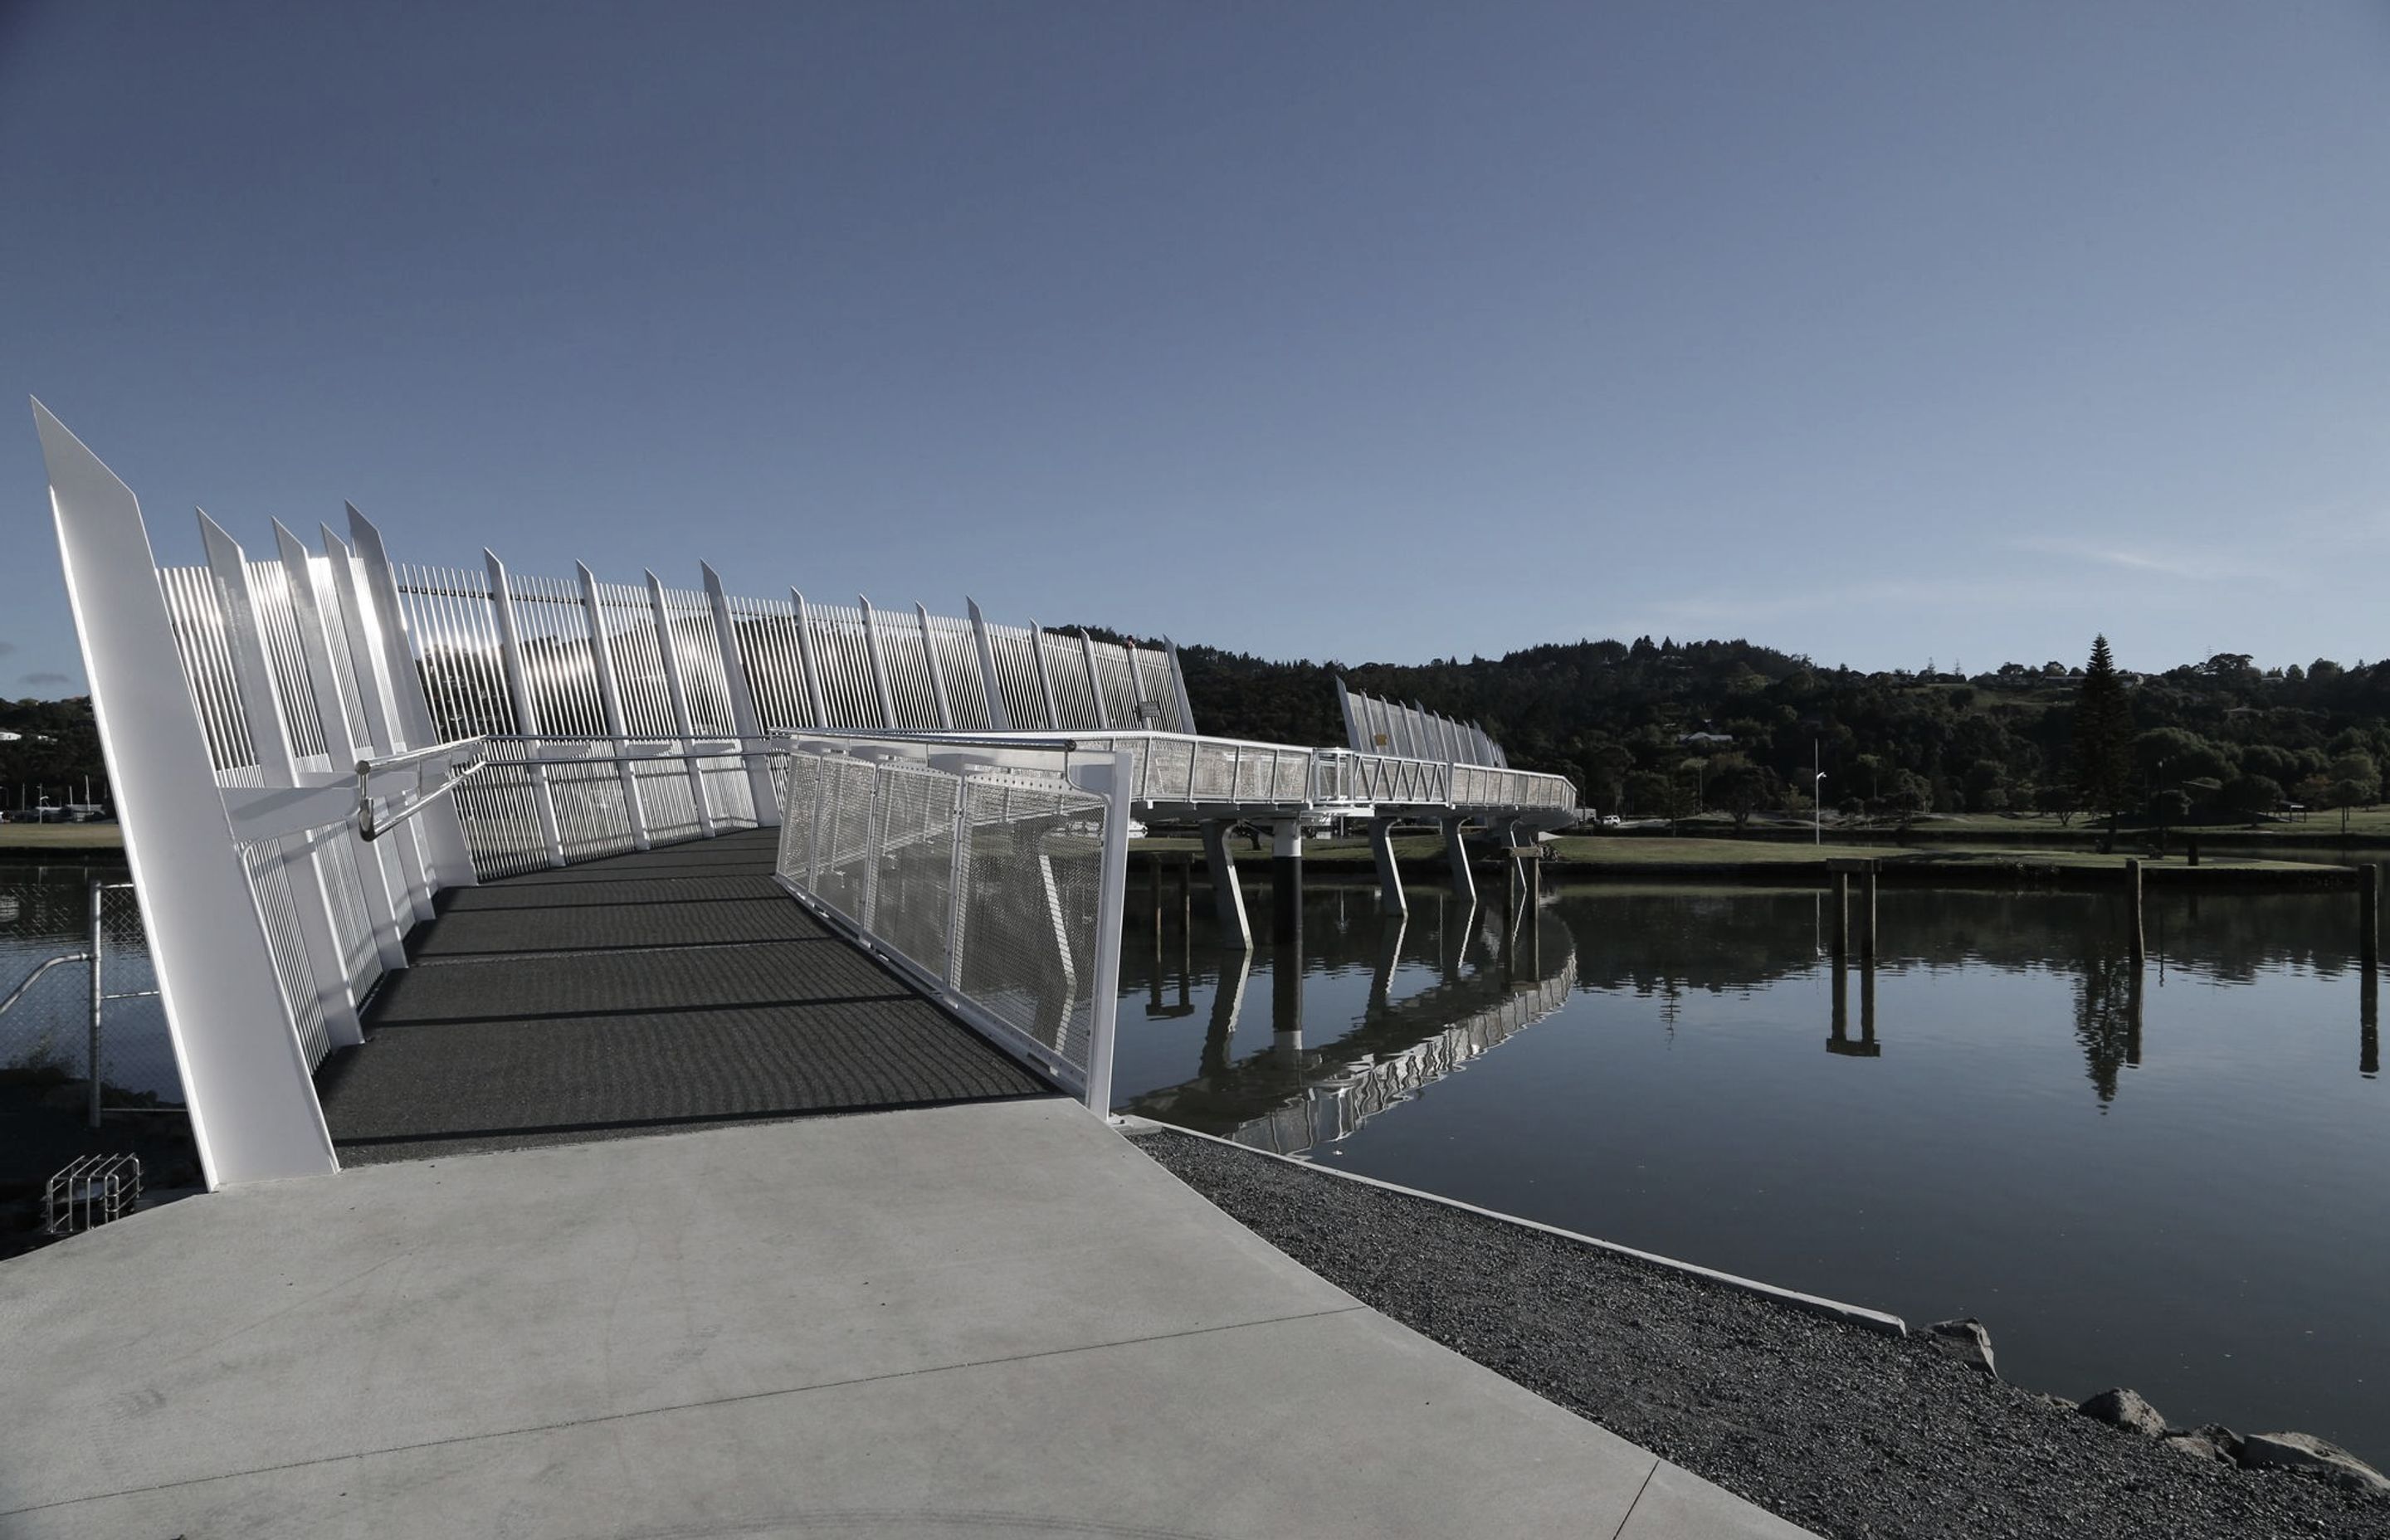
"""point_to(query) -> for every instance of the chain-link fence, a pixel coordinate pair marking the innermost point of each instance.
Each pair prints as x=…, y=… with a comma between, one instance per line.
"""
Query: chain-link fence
x=52, y=922
x=996, y=883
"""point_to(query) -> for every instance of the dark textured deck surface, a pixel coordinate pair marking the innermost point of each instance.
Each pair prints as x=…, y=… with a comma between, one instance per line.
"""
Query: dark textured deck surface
x=676, y=987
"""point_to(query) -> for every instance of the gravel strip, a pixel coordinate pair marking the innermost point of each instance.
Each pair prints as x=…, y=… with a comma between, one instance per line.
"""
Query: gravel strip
x=1845, y=1431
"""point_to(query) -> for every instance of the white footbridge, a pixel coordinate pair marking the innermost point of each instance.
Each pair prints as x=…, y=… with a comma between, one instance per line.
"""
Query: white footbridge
x=308, y=747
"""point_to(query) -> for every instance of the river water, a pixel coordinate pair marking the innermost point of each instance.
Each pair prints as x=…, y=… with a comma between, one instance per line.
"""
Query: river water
x=45, y=911
x=2183, y=1186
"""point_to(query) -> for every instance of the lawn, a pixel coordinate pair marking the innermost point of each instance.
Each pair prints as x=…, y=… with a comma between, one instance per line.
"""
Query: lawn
x=1940, y=847
x=61, y=837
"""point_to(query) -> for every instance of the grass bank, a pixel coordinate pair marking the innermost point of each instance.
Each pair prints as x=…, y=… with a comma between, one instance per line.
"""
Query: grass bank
x=40, y=838
x=1954, y=863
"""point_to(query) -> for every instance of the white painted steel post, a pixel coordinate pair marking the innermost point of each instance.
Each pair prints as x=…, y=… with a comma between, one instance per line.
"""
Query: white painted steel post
x=411, y=727
x=277, y=765
x=937, y=673
x=1178, y=686
x=999, y=714
x=1136, y=686
x=805, y=657
x=1456, y=851
x=1391, y=898
x=1112, y=906
x=744, y=718
x=1045, y=683
x=874, y=844
x=383, y=888
x=252, y=1103
x=368, y=666
x=879, y=664
x=959, y=878
x=1227, y=896
x=1344, y=709
x=610, y=697
x=668, y=647
x=98, y=1005
x=502, y=603
x=1095, y=683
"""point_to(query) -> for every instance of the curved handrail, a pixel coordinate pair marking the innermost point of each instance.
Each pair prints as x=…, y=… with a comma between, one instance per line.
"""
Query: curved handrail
x=18, y=992
x=372, y=826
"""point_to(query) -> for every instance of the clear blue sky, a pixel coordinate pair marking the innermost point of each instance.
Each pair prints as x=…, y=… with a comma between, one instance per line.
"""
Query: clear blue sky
x=1878, y=332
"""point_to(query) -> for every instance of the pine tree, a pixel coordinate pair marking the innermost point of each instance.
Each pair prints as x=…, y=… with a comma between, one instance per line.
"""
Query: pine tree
x=2104, y=737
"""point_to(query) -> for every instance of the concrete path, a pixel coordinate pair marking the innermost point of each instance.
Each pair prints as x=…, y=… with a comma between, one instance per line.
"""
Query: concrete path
x=994, y=1318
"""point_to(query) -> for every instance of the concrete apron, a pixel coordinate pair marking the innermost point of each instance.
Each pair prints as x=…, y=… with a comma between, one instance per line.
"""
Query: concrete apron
x=992, y=1317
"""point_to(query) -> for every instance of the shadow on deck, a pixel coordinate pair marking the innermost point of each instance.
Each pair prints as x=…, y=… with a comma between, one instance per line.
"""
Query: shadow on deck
x=671, y=988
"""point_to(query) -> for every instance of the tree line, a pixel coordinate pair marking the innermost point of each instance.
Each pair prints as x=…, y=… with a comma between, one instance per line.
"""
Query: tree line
x=1663, y=728
x=55, y=746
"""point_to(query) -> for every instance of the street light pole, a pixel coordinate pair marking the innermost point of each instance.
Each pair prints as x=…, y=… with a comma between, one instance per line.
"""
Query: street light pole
x=1817, y=794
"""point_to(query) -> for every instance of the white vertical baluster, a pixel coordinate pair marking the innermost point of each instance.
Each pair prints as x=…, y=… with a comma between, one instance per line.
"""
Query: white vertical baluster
x=384, y=894
x=502, y=604
x=744, y=720
x=610, y=695
x=368, y=666
x=937, y=673
x=1044, y=681
x=1094, y=684
x=451, y=859
x=269, y=735
x=805, y=658
x=668, y=646
x=999, y=714
x=1178, y=684
x=879, y=664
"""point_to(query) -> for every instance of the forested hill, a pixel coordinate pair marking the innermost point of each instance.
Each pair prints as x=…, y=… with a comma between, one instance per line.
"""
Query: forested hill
x=1617, y=718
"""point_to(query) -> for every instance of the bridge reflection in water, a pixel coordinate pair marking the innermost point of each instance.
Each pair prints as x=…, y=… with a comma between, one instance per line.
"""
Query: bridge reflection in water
x=1492, y=971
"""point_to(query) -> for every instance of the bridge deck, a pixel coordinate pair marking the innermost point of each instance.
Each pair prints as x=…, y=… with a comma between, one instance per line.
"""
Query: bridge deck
x=672, y=987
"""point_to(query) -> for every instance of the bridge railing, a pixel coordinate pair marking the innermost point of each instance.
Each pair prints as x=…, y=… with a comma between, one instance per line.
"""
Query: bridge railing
x=1413, y=732
x=524, y=803
x=994, y=878
x=1177, y=768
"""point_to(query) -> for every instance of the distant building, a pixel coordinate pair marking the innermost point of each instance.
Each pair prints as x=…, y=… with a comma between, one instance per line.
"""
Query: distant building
x=1704, y=738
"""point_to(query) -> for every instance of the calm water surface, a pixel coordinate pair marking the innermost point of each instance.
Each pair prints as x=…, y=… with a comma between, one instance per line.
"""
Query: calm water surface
x=45, y=910
x=2180, y=1187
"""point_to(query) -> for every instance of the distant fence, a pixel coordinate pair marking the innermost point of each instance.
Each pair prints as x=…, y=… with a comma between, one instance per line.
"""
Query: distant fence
x=91, y=1013
x=994, y=878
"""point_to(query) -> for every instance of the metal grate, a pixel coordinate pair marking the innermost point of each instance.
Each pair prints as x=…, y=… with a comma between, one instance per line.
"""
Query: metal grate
x=94, y=1190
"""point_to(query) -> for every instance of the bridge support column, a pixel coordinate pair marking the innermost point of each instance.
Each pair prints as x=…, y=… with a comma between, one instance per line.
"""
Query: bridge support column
x=2368, y=1022
x=1286, y=995
x=1389, y=878
x=1456, y=851
x=1234, y=930
x=1286, y=882
x=1391, y=928
x=1227, y=1002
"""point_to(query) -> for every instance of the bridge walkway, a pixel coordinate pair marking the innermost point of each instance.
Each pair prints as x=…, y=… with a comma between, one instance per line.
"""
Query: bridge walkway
x=670, y=988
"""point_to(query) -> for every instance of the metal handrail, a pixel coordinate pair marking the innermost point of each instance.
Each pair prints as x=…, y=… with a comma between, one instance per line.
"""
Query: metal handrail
x=1416, y=780
x=18, y=992
x=370, y=825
